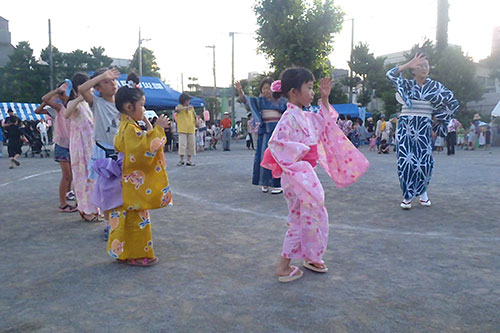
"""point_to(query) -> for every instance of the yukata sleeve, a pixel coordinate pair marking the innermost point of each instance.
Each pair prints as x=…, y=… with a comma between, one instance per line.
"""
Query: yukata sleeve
x=401, y=84
x=297, y=176
x=340, y=159
x=135, y=142
x=445, y=105
x=254, y=105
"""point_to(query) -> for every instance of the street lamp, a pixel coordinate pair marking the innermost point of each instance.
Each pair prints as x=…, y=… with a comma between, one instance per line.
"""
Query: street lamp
x=140, y=50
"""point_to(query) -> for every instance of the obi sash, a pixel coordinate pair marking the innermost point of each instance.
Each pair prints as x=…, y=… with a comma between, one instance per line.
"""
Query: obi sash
x=269, y=162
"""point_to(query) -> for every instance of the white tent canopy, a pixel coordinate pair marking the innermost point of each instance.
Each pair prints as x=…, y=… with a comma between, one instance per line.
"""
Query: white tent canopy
x=496, y=110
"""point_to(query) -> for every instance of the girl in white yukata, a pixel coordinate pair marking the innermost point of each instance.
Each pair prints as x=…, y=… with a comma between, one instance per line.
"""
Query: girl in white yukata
x=300, y=140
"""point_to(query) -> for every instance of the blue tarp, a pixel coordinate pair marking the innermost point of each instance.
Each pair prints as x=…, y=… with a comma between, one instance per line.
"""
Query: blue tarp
x=350, y=109
x=158, y=94
x=25, y=111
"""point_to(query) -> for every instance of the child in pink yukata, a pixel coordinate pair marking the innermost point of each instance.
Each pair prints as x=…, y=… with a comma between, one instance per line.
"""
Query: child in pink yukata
x=303, y=137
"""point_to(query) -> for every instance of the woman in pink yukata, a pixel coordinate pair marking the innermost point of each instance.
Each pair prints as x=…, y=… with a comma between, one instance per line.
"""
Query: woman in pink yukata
x=302, y=139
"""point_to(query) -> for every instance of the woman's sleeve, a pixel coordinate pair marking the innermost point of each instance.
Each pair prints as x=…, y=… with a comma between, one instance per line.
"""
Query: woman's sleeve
x=445, y=105
x=340, y=159
x=401, y=84
x=254, y=105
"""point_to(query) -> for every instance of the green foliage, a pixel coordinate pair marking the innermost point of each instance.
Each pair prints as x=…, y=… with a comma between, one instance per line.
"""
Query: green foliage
x=369, y=72
x=337, y=95
x=214, y=105
x=493, y=63
x=23, y=79
x=67, y=64
x=149, y=65
x=296, y=33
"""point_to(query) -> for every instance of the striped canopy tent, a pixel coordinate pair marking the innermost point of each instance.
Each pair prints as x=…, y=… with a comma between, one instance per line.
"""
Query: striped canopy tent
x=25, y=111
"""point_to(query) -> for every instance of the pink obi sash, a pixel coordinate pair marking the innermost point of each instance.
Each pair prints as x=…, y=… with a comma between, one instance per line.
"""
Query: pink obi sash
x=270, y=163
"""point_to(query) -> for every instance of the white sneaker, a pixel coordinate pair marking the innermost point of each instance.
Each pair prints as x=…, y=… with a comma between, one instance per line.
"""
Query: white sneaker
x=405, y=205
x=265, y=189
x=425, y=203
x=277, y=190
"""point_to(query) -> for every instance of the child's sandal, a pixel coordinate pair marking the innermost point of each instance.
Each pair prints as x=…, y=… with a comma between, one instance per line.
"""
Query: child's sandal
x=145, y=262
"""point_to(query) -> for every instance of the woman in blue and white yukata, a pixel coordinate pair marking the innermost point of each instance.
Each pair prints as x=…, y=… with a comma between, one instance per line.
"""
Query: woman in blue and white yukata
x=423, y=99
x=267, y=111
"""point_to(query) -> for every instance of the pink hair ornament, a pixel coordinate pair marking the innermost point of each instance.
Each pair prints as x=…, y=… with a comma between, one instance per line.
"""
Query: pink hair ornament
x=276, y=86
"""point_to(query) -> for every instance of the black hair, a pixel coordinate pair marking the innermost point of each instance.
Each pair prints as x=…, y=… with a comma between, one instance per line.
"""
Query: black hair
x=99, y=72
x=292, y=78
x=77, y=80
x=127, y=95
x=266, y=80
x=132, y=76
x=10, y=110
x=183, y=98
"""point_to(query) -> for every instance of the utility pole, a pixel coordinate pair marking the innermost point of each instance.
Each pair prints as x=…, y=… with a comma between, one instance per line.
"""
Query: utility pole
x=350, y=70
x=51, y=63
x=442, y=25
x=182, y=82
x=231, y=34
x=215, y=80
x=140, y=51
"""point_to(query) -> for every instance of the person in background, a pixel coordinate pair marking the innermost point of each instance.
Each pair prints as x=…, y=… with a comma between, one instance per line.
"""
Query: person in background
x=186, y=127
x=42, y=129
x=226, y=124
x=451, y=137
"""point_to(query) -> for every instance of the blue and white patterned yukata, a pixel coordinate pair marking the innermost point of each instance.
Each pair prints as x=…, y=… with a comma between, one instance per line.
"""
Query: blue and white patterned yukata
x=258, y=105
x=413, y=136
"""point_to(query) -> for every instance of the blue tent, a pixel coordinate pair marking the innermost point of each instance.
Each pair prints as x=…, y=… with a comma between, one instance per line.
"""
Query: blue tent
x=25, y=111
x=350, y=110
x=158, y=94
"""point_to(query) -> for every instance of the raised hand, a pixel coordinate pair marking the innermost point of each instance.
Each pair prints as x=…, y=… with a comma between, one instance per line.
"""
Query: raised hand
x=418, y=59
x=238, y=86
x=325, y=87
x=111, y=74
x=163, y=121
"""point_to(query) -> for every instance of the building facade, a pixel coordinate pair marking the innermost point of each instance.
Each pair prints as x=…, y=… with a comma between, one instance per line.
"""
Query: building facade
x=6, y=47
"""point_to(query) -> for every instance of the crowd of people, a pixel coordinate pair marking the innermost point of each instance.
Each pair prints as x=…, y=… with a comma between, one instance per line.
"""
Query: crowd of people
x=112, y=154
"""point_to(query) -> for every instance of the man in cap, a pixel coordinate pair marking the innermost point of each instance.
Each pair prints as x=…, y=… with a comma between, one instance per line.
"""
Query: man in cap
x=226, y=124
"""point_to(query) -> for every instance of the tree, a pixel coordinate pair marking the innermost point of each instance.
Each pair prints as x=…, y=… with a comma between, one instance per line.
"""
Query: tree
x=22, y=78
x=214, y=105
x=369, y=72
x=149, y=65
x=337, y=95
x=67, y=64
x=493, y=63
x=293, y=33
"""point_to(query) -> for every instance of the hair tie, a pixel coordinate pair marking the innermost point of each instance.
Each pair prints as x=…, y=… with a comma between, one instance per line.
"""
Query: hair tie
x=132, y=84
x=276, y=86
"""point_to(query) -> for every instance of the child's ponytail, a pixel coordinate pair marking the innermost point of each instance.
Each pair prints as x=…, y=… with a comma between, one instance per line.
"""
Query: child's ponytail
x=129, y=93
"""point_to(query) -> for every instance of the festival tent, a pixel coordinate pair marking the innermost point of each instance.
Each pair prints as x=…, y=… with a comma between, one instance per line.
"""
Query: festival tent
x=496, y=110
x=159, y=96
x=25, y=111
x=350, y=110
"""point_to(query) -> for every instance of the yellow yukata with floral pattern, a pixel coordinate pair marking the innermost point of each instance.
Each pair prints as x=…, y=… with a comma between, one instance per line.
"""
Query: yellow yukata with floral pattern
x=144, y=186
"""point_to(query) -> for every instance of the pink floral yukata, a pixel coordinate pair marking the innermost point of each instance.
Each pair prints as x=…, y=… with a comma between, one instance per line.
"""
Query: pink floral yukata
x=300, y=140
x=80, y=148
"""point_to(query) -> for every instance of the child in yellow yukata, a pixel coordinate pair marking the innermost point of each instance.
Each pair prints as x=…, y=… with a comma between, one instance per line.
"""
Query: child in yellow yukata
x=144, y=179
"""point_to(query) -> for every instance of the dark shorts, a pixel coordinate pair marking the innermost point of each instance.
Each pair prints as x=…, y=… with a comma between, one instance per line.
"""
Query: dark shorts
x=14, y=147
x=61, y=154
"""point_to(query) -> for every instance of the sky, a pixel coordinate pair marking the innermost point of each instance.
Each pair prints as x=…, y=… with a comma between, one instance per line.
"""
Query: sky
x=179, y=31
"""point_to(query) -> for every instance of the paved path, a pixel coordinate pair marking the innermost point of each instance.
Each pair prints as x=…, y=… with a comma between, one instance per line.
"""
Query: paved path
x=427, y=269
